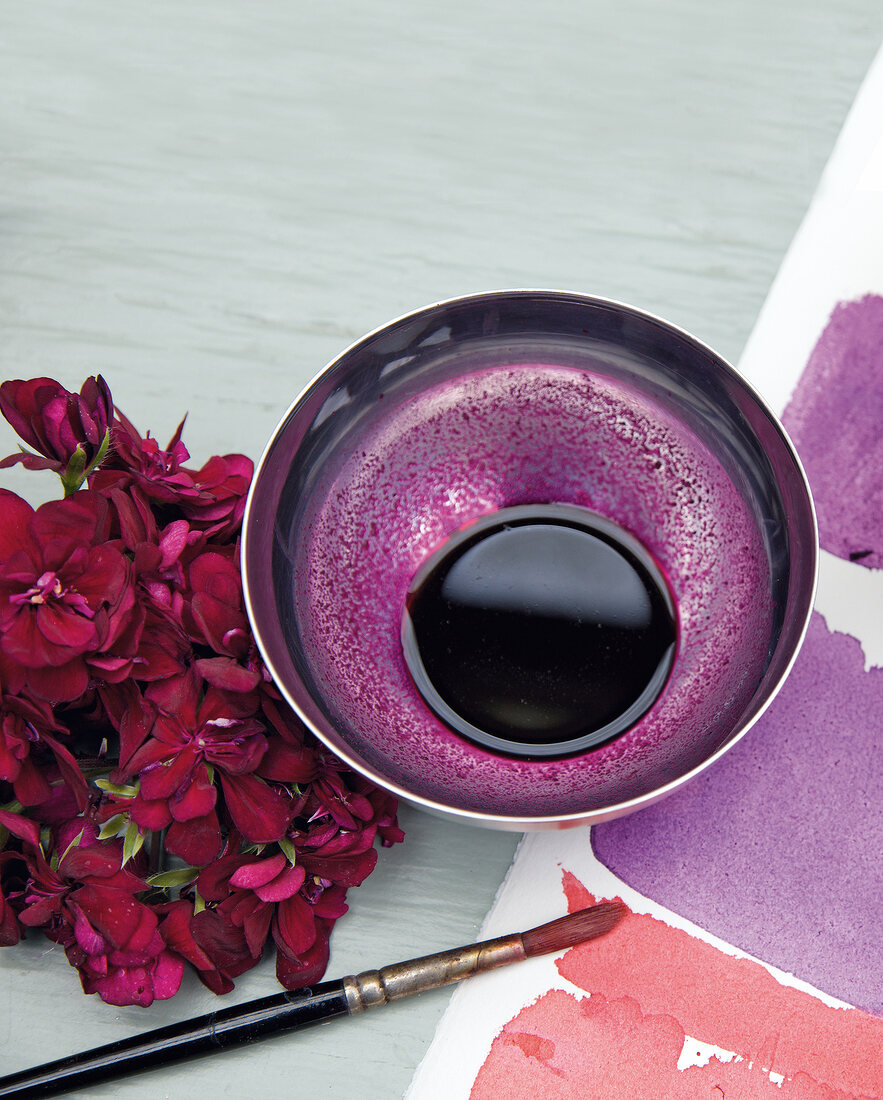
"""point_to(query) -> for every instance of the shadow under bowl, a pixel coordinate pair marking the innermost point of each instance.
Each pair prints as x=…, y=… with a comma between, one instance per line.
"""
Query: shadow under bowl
x=497, y=401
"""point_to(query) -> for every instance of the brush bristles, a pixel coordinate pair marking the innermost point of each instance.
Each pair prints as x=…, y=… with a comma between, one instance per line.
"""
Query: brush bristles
x=575, y=928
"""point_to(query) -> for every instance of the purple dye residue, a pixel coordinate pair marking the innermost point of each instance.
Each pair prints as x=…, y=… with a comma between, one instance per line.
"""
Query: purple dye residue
x=510, y=436
x=777, y=848
x=836, y=421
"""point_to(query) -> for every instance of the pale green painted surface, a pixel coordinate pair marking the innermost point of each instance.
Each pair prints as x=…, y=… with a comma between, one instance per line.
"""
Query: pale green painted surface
x=206, y=202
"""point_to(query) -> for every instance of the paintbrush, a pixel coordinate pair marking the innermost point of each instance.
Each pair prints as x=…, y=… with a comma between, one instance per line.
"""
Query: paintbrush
x=230, y=1027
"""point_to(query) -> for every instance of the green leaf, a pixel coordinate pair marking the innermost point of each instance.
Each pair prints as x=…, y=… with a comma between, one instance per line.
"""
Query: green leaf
x=287, y=847
x=210, y=769
x=113, y=826
x=132, y=843
x=198, y=902
x=75, y=843
x=182, y=876
x=124, y=790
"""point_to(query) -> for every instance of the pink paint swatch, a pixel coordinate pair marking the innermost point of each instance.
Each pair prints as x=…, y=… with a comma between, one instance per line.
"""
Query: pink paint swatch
x=652, y=986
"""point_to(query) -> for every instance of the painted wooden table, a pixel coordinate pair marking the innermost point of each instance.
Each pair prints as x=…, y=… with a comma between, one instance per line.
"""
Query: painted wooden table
x=206, y=202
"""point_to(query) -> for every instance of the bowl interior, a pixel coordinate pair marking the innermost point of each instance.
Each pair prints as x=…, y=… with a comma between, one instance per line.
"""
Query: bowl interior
x=498, y=401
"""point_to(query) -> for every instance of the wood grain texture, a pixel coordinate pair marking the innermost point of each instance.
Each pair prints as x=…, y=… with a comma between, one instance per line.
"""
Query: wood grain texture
x=206, y=202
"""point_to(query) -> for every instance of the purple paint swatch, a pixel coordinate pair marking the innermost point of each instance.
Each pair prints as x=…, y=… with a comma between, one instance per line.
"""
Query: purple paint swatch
x=777, y=848
x=836, y=421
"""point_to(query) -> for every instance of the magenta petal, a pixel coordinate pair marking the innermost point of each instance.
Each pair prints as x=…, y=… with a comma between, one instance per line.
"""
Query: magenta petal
x=163, y=779
x=62, y=684
x=124, y=986
x=81, y=517
x=70, y=771
x=252, y=875
x=27, y=644
x=22, y=827
x=167, y=976
x=257, y=927
x=31, y=786
x=176, y=932
x=225, y=673
x=197, y=799
x=283, y=886
x=38, y=913
x=133, y=525
x=258, y=812
x=197, y=842
x=331, y=903
x=173, y=541
x=343, y=870
x=151, y=814
x=15, y=528
x=92, y=942
x=218, y=578
x=222, y=941
x=96, y=861
x=31, y=462
x=296, y=925
x=22, y=401
x=123, y=921
x=309, y=968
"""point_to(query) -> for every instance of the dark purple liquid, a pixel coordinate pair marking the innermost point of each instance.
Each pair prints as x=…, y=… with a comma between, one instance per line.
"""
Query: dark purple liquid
x=540, y=630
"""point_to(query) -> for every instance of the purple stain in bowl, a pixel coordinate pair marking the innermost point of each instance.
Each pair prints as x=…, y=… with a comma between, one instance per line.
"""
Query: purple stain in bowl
x=511, y=436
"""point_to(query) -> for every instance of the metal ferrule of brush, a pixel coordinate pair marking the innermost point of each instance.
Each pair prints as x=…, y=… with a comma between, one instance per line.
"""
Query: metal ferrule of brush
x=379, y=987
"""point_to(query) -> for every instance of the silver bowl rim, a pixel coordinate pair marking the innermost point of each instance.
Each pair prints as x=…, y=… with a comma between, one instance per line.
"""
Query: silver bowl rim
x=549, y=821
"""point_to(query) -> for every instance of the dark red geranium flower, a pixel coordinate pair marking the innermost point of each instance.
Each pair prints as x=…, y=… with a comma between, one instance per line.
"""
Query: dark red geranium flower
x=27, y=725
x=66, y=596
x=334, y=857
x=193, y=731
x=124, y=639
x=210, y=942
x=118, y=949
x=87, y=904
x=84, y=859
x=68, y=431
x=212, y=498
x=251, y=896
x=156, y=551
x=159, y=474
x=223, y=484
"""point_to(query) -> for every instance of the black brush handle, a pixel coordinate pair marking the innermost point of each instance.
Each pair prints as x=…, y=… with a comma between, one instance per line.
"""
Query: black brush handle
x=229, y=1027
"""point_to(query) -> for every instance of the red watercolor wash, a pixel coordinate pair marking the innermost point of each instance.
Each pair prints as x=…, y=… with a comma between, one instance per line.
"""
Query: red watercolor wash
x=651, y=986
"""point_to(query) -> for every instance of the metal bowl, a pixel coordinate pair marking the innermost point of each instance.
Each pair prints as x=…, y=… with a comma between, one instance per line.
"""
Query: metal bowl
x=499, y=400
